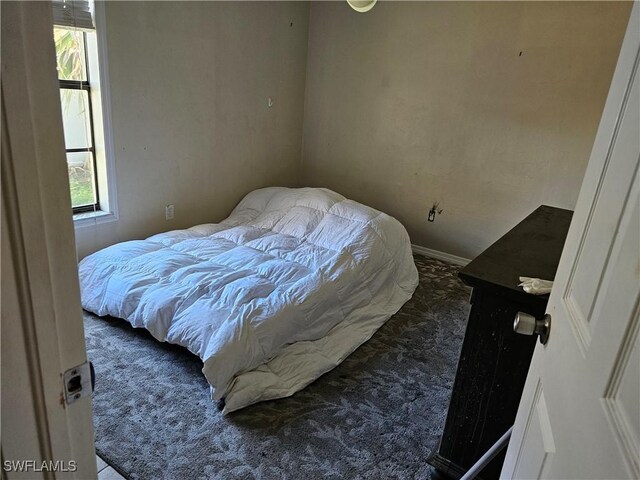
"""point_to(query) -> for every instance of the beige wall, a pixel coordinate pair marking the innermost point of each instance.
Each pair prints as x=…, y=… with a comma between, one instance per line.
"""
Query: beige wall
x=416, y=102
x=408, y=104
x=189, y=86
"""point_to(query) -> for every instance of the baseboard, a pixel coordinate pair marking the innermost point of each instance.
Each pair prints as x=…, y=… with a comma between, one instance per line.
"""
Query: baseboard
x=445, y=257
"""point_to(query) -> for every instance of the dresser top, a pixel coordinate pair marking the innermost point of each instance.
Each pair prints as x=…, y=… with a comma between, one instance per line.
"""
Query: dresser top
x=530, y=249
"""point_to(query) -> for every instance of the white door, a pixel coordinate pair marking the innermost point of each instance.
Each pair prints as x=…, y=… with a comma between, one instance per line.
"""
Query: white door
x=43, y=435
x=579, y=416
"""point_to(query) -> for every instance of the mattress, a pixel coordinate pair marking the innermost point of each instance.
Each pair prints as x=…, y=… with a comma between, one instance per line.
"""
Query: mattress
x=272, y=297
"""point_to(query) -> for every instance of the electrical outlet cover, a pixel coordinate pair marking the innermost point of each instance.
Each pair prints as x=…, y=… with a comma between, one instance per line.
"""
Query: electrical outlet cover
x=168, y=212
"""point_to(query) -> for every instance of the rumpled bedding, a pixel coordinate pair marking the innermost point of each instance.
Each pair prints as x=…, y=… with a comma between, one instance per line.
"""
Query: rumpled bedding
x=272, y=297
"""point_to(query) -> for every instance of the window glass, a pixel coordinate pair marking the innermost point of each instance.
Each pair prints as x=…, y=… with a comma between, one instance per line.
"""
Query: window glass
x=81, y=180
x=74, y=49
x=76, y=118
x=70, y=54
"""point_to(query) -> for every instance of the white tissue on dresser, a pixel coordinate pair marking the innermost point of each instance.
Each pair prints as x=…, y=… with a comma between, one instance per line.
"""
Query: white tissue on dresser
x=535, y=286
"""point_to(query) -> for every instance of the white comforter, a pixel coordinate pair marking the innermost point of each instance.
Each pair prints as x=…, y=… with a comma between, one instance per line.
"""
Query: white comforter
x=270, y=298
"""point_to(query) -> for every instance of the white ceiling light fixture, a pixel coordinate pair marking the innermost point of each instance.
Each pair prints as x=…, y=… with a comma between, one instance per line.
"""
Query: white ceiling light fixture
x=361, y=5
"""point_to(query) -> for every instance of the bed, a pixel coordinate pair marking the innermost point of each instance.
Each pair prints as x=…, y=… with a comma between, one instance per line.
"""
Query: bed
x=271, y=298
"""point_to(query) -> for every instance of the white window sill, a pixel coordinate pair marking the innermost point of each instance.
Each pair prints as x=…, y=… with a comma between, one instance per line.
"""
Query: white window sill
x=87, y=219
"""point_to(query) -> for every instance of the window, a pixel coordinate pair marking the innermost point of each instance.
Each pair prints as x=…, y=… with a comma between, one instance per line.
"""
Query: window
x=77, y=118
x=84, y=102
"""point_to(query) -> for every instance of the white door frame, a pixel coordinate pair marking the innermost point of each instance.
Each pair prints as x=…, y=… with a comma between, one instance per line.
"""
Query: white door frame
x=42, y=327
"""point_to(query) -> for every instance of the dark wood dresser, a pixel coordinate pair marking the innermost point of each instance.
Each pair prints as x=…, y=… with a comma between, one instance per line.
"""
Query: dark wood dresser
x=494, y=360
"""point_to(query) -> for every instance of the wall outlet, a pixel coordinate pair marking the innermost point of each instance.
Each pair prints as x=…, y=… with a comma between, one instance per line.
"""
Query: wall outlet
x=168, y=212
x=431, y=217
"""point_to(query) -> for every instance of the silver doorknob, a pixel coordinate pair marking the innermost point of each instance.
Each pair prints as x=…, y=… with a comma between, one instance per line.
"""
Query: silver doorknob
x=526, y=324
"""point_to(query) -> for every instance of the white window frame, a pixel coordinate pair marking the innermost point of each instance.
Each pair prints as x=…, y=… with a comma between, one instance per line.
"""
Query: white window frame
x=104, y=149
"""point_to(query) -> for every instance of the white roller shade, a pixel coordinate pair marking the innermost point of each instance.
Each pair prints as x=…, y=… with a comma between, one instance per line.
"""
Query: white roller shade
x=73, y=13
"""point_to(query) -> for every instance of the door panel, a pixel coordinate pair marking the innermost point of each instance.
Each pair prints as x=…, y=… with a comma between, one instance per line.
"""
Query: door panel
x=620, y=400
x=617, y=177
x=539, y=446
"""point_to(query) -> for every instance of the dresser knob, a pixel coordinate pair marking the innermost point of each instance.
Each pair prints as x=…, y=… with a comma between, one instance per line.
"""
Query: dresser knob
x=526, y=324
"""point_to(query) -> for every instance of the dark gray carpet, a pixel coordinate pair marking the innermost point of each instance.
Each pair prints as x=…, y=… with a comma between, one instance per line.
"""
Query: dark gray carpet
x=378, y=415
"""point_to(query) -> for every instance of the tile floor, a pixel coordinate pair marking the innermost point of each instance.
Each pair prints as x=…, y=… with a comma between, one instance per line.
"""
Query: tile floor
x=105, y=472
